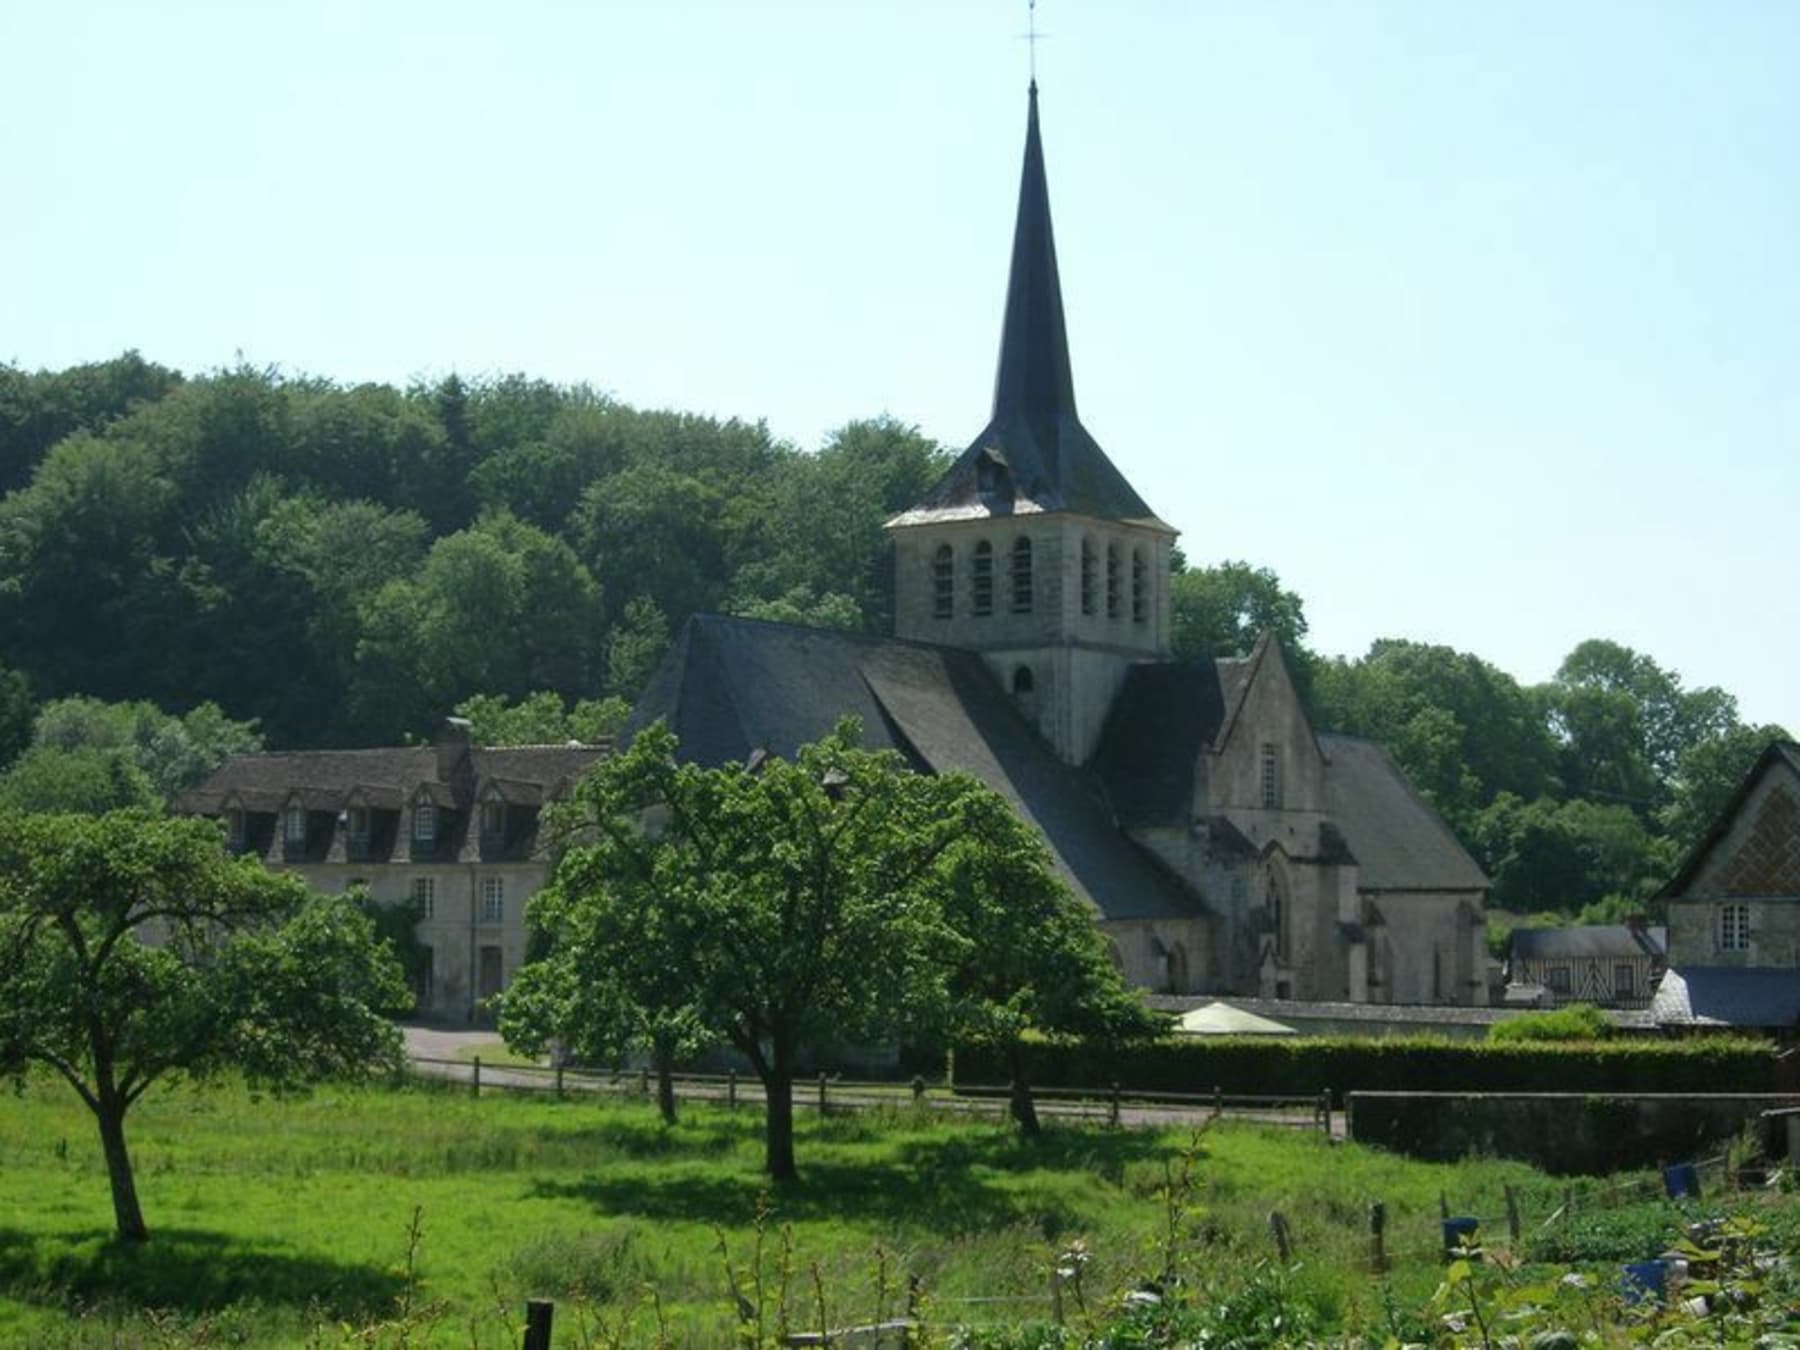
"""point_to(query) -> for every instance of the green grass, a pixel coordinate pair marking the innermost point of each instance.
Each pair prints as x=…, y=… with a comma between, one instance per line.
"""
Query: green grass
x=270, y=1217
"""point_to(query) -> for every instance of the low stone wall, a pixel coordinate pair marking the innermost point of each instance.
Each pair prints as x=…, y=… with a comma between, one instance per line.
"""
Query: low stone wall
x=1562, y=1132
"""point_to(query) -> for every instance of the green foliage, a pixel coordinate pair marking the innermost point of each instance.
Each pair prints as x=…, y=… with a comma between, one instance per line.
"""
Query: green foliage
x=173, y=752
x=1302, y=1066
x=137, y=950
x=542, y=719
x=1574, y=1022
x=1222, y=610
x=86, y=780
x=1551, y=855
x=15, y=715
x=638, y=642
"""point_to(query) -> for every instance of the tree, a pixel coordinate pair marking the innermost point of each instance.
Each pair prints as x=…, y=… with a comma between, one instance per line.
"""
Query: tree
x=635, y=645
x=1032, y=958
x=1567, y=855
x=250, y=972
x=15, y=714
x=783, y=904
x=1710, y=771
x=84, y=779
x=173, y=752
x=542, y=719
x=1221, y=611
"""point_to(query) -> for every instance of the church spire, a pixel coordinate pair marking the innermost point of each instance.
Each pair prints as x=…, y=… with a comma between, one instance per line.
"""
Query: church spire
x=1034, y=381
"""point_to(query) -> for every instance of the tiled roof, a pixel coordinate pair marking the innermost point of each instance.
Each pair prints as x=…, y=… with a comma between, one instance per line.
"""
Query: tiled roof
x=733, y=686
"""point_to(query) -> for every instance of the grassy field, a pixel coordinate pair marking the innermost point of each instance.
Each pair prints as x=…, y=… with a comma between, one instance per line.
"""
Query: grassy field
x=273, y=1218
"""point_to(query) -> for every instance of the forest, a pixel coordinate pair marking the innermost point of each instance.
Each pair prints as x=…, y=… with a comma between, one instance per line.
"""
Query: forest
x=191, y=566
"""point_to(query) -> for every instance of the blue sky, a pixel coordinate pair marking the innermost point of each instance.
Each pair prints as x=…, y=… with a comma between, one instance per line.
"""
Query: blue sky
x=1476, y=322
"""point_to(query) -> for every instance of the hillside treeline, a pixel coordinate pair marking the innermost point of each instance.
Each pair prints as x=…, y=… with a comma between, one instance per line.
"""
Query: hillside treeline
x=342, y=565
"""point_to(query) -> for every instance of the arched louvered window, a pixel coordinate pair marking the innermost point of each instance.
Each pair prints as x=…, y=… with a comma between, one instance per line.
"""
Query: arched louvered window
x=1088, y=581
x=1275, y=898
x=943, y=582
x=1023, y=682
x=1140, y=587
x=1021, y=577
x=1112, y=581
x=981, y=579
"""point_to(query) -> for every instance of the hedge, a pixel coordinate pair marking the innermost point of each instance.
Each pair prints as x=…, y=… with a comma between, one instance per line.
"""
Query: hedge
x=1305, y=1066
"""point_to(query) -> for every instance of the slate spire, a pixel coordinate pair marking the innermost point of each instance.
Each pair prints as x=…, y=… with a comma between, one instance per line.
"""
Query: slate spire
x=1034, y=455
x=1034, y=380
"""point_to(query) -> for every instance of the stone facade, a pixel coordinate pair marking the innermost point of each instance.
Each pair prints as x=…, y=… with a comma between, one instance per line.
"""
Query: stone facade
x=1740, y=907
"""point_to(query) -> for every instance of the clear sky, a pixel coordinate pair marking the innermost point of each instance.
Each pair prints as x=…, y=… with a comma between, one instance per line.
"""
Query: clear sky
x=1479, y=323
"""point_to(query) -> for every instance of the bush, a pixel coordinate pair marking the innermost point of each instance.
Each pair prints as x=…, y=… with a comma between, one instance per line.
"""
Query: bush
x=1576, y=1022
x=1306, y=1066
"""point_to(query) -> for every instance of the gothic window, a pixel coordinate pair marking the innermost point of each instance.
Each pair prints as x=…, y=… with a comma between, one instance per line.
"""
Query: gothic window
x=1734, y=928
x=1271, y=778
x=1140, y=600
x=981, y=579
x=1112, y=581
x=1022, y=682
x=1280, y=921
x=1087, y=576
x=943, y=583
x=1021, y=577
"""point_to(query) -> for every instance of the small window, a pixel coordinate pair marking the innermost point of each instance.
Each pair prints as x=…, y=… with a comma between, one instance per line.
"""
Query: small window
x=1271, y=778
x=1140, y=587
x=1275, y=898
x=1112, y=581
x=1734, y=928
x=1021, y=577
x=234, y=831
x=493, y=899
x=943, y=583
x=358, y=824
x=1624, y=980
x=293, y=823
x=424, y=823
x=424, y=895
x=493, y=818
x=1557, y=978
x=981, y=579
x=1088, y=567
x=1022, y=681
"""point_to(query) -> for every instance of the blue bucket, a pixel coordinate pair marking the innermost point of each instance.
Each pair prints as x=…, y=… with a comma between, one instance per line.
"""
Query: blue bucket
x=1682, y=1181
x=1459, y=1233
x=1645, y=1281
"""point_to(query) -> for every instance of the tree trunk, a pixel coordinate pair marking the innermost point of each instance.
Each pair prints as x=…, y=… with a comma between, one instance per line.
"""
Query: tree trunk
x=663, y=1052
x=127, y=1216
x=1024, y=1109
x=778, y=1087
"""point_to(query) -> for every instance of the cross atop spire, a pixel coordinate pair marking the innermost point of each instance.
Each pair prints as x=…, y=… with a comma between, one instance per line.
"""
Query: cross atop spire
x=1034, y=380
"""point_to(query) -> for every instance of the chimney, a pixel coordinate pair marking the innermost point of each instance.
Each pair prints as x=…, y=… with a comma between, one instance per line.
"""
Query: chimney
x=453, y=749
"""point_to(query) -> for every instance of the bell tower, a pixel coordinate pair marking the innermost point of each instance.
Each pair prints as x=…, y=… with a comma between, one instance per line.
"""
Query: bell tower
x=1032, y=548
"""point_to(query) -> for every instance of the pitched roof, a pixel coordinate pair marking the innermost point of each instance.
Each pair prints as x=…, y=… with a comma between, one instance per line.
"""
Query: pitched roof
x=1400, y=842
x=1776, y=752
x=1727, y=996
x=733, y=686
x=1589, y=940
x=1034, y=455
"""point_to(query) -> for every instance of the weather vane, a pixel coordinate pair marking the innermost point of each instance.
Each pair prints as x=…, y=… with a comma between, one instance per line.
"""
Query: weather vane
x=1031, y=36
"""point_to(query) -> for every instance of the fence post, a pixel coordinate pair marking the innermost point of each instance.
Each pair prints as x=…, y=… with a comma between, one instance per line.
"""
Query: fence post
x=1568, y=1202
x=644, y=1083
x=1056, y=1308
x=731, y=1088
x=1113, y=1109
x=821, y=1095
x=1218, y=1100
x=1278, y=1225
x=1512, y=1214
x=1443, y=1206
x=559, y=1085
x=1378, y=1238
x=1325, y=1113
x=918, y=1087
x=539, y=1314
x=475, y=1078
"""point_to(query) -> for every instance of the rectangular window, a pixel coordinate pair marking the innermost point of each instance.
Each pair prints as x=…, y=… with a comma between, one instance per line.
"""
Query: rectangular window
x=293, y=823
x=493, y=899
x=1734, y=928
x=1271, y=779
x=1624, y=980
x=493, y=819
x=1557, y=978
x=424, y=823
x=234, y=831
x=425, y=896
x=358, y=825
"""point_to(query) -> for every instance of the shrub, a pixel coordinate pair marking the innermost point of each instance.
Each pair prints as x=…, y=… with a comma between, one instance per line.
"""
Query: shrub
x=1576, y=1022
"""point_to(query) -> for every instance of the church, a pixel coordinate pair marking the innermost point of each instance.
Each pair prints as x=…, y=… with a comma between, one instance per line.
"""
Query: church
x=1224, y=844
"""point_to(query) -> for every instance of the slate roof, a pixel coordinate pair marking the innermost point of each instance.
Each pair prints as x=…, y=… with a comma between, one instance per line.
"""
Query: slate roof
x=1757, y=997
x=1591, y=940
x=732, y=686
x=1399, y=841
x=1034, y=455
x=329, y=782
x=1164, y=715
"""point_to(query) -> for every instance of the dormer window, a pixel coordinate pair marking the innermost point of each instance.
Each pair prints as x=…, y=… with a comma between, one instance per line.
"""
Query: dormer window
x=424, y=824
x=493, y=818
x=293, y=823
x=1140, y=587
x=943, y=582
x=1021, y=577
x=1112, y=581
x=981, y=580
x=356, y=824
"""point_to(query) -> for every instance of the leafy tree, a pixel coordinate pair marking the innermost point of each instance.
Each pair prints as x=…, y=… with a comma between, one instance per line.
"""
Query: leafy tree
x=636, y=644
x=38, y=409
x=15, y=714
x=1221, y=611
x=1031, y=957
x=542, y=719
x=1709, y=772
x=1547, y=854
x=802, y=606
x=781, y=905
x=85, y=779
x=250, y=972
x=173, y=752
